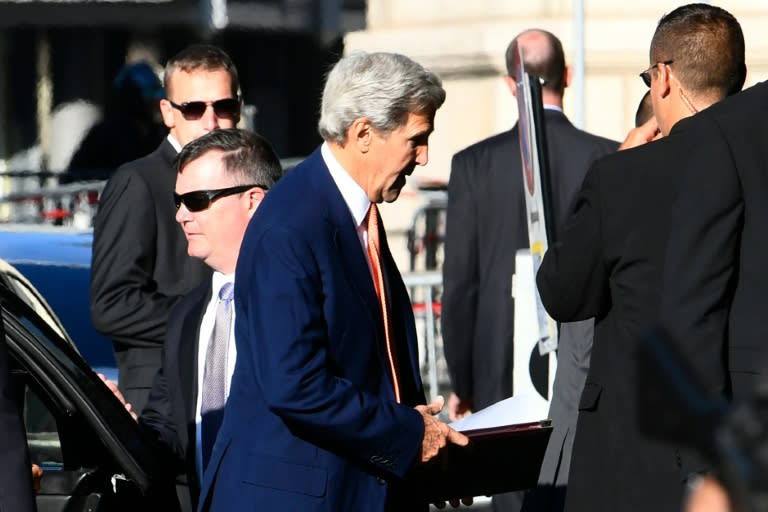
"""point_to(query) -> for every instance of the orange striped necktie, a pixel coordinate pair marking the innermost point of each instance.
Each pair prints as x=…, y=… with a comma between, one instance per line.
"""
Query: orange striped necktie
x=374, y=255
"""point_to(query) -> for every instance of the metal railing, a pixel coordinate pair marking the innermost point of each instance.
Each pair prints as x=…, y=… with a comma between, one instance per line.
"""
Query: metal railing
x=36, y=198
x=425, y=289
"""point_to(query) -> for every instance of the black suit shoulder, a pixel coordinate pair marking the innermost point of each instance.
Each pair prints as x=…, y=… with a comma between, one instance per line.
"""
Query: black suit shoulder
x=571, y=135
x=622, y=195
x=714, y=274
x=504, y=140
x=140, y=264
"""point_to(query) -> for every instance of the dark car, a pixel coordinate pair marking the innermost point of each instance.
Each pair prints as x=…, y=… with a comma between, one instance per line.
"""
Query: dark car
x=94, y=455
x=57, y=261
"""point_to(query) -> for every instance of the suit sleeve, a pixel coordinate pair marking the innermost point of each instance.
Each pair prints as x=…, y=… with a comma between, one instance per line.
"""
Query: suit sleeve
x=285, y=323
x=573, y=279
x=460, y=276
x=702, y=252
x=16, y=475
x=157, y=420
x=125, y=304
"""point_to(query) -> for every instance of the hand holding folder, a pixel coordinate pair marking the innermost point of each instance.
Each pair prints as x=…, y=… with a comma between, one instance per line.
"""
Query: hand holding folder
x=497, y=459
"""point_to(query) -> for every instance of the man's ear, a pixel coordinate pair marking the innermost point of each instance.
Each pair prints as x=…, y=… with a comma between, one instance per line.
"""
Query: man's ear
x=255, y=197
x=568, y=77
x=664, y=78
x=360, y=134
x=166, y=110
x=511, y=84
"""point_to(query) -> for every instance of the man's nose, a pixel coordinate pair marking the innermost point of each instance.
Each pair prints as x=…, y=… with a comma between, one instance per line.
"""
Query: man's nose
x=182, y=214
x=209, y=119
x=422, y=155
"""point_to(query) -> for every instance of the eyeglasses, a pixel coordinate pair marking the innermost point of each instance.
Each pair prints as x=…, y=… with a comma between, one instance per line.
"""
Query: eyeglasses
x=646, y=75
x=200, y=200
x=227, y=108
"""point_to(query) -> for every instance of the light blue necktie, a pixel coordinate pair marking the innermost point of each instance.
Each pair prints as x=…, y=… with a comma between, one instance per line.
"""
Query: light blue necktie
x=214, y=377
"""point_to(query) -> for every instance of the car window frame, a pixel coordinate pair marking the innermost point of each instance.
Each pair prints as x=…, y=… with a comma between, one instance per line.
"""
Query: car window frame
x=62, y=373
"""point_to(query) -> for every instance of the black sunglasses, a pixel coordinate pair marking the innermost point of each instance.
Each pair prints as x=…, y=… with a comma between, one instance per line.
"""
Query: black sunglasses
x=200, y=200
x=227, y=108
x=646, y=75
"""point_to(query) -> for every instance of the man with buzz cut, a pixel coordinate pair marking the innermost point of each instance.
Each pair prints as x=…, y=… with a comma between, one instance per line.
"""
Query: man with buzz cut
x=140, y=267
x=610, y=261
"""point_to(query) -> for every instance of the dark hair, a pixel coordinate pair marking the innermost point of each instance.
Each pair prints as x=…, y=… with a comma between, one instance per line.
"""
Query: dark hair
x=547, y=61
x=706, y=47
x=644, y=109
x=248, y=157
x=203, y=57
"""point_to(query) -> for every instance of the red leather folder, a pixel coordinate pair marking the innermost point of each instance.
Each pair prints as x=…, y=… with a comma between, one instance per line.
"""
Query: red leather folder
x=496, y=460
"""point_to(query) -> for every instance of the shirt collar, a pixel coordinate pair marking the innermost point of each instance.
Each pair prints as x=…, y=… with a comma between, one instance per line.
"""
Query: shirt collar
x=218, y=280
x=552, y=107
x=174, y=143
x=353, y=194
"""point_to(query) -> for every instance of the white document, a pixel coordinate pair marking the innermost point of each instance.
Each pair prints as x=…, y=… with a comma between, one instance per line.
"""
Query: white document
x=523, y=408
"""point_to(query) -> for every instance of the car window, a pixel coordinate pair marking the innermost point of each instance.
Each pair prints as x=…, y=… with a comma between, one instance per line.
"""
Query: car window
x=26, y=292
x=40, y=422
x=90, y=423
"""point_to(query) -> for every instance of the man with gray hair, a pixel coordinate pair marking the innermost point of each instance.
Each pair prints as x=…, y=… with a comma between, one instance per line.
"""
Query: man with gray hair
x=326, y=408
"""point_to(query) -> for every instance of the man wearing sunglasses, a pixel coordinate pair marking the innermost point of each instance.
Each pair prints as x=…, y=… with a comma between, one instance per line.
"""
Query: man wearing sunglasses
x=222, y=178
x=140, y=265
x=609, y=264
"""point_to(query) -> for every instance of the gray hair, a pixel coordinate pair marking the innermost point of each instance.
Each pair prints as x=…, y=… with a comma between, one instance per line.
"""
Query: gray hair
x=381, y=87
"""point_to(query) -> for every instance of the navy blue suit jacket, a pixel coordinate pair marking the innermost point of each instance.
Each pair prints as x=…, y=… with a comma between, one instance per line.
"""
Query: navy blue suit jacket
x=311, y=422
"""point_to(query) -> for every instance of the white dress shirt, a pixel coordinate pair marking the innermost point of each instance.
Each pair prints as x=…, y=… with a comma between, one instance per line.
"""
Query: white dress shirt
x=206, y=331
x=353, y=194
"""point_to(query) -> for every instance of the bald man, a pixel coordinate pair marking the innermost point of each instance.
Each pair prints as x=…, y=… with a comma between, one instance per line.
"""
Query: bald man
x=486, y=225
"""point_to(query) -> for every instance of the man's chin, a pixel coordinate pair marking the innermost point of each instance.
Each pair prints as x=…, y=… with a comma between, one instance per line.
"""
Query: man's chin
x=390, y=196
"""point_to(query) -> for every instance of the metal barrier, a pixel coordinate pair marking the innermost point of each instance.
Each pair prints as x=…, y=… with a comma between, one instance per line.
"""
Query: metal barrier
x=425, y=289
x=427, y=231
x=31, y=197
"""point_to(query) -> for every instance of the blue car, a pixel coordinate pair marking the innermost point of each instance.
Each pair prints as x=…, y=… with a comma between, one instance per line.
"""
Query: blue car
x=57, y=261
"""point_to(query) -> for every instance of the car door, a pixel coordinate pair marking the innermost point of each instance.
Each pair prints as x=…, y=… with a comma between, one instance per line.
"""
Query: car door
x=93, y=453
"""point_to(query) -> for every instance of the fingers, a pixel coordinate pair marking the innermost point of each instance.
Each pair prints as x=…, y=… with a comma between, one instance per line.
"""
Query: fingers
x=437, y=435
x=456, y=437
x=453, y=407
x=37, y=475
x=436, y=406
x=129, y=408
x=119, y=395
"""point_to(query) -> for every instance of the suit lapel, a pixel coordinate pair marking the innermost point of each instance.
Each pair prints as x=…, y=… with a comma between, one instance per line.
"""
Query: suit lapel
x=189, y=348
x=358, y=273
x=400, y=306
x=346, y=240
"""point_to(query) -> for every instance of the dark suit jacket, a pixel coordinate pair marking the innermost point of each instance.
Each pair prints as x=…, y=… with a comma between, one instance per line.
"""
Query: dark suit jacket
x=715, y=269
x=15, y=471
x=140, y=267
x=170, y=412
x=311, y=422
x=608, y=265
x=485, y=226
